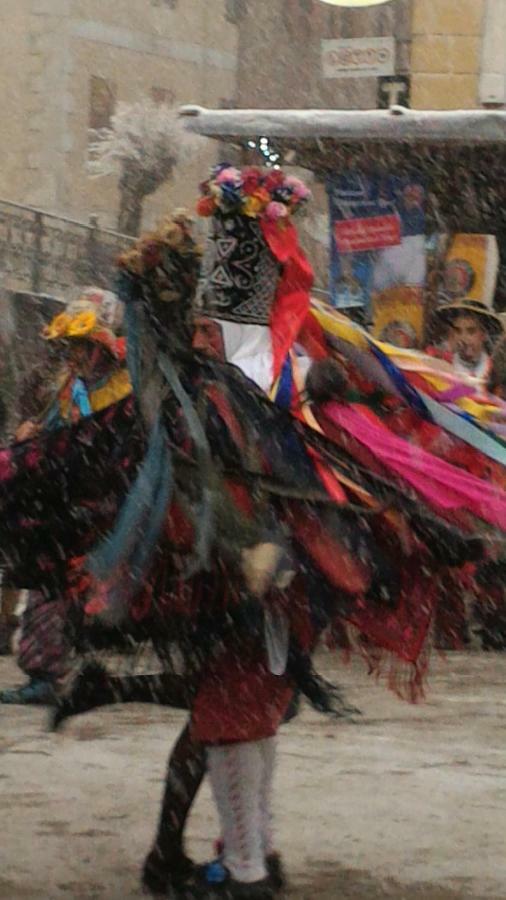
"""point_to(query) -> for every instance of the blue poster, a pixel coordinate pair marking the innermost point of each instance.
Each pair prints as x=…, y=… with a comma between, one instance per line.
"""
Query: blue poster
x=377, y=241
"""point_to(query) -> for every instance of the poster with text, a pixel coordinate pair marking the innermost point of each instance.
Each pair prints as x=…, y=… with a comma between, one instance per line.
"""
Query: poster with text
x=377, y=226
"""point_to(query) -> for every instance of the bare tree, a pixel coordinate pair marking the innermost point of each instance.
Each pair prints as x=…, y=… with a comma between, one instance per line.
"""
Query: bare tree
x=143, y=144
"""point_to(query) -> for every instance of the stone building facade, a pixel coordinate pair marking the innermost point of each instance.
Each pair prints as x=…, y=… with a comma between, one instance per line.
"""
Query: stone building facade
x=280, y=51
x=447, y=52
x=280, y=64
x=64, y=64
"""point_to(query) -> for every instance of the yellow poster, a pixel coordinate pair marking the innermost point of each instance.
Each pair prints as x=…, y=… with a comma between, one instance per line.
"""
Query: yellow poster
x=398, y=316
x=470, y=269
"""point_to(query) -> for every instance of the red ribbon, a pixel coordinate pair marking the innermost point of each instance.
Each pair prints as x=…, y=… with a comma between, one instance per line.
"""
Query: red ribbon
x=291, y=304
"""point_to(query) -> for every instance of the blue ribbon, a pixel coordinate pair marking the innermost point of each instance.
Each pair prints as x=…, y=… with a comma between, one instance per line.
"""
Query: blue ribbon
x=409, y=393
x=283, y=396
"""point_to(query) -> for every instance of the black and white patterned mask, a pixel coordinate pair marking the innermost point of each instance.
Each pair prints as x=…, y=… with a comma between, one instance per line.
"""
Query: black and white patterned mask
x=239, y=273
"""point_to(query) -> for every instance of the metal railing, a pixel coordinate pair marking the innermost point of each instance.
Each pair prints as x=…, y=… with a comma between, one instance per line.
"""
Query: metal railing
x=45, y=253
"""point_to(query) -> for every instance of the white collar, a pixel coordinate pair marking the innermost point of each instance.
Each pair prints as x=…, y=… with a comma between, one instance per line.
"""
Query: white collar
x=478, y=369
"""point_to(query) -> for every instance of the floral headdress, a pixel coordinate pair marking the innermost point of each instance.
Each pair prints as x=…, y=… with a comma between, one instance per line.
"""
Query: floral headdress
x=92, y=317
x=175, y=233
x=159, y=275
x=254, y=271
x=164, y=262
x=269, y=195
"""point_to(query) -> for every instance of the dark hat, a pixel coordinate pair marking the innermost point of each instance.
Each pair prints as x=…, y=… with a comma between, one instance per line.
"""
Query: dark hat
x=489, y=319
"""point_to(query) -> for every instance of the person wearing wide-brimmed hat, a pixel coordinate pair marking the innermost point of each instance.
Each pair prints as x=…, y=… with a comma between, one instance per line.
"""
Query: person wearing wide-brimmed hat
x=474, y=328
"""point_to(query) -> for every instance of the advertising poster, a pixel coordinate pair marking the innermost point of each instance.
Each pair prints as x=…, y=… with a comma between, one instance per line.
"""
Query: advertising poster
x=377, y=237
x=398, y=316
x=470, y=269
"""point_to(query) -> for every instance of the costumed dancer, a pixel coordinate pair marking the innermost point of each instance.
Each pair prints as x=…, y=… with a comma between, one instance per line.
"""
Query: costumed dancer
x=93, y=376
x=237, y=734
x=33, y=398
x=234, y=494
x=254, y=291
x=236, y=737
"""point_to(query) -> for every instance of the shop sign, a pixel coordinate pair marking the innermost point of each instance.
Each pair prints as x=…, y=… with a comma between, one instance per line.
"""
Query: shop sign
x=358, y=57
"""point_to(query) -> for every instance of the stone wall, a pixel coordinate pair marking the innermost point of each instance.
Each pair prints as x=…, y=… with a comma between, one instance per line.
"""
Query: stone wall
x=280, y=58
x=280, y=65
x=446, y=53
x=184, y=50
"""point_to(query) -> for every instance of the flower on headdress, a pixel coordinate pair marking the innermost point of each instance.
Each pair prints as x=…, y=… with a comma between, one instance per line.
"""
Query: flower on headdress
x=298, y=187
x=230, y=196
x=150, y=250
x=216, y=191
x=173, y=234
x=262, y=195
x=57, y=328
x=206, y=206
x=273, y=180
x=252, y=207
x=183, y=218
x=275, y=211
x=256, y=203
x=250, y=191
x=83, y=324
x=132, y=261
x=229, y=176
x=251, y=178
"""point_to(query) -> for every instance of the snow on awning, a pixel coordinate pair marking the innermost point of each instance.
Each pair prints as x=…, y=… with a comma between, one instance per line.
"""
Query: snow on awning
x=310, y=126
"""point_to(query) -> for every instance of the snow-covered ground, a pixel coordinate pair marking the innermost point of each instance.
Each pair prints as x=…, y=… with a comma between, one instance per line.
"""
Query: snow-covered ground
x=408, y=803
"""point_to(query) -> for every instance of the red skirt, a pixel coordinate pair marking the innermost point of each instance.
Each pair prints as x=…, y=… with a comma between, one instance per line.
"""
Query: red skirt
x=239, y=699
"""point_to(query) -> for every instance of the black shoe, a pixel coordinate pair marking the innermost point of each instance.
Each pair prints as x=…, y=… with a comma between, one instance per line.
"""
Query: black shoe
x=273, y=864
x=90, y=690
x=214, y=882
x=161, y=875
x=276, y=870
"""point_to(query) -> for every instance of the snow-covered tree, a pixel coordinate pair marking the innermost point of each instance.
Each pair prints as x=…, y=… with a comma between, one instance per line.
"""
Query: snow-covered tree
x=143, y=144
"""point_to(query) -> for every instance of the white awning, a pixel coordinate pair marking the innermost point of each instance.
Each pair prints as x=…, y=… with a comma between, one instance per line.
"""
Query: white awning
x=305, y=126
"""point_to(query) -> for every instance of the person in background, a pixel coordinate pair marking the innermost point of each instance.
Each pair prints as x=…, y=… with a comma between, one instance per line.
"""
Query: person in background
x=33, y=397
x=93, y=375
x=8, y=619
x=473, y=330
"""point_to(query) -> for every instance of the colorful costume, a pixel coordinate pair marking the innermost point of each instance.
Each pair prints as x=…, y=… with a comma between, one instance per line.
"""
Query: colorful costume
x=247, y=531
x=241, y=695
x=43, y=646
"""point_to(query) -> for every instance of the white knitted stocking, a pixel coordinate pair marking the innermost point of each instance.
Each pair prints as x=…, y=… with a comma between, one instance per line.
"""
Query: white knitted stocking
x=268, y=748
x=236, y=772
